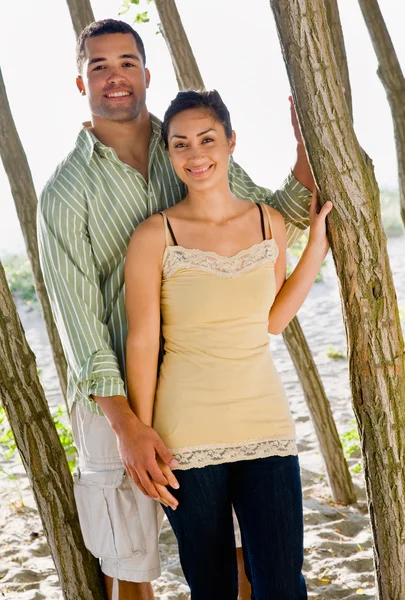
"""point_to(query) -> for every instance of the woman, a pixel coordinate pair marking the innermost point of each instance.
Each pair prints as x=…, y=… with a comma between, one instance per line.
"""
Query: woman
x=211, y=272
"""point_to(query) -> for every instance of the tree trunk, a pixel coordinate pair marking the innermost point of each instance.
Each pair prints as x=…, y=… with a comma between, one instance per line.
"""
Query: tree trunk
x=344, y=174
x=393, y=80
x=81, y=14
x=185, y=66
x=322, y=417
x=339, y=476
x=43, y=456
x=335, y=26
x=25, y=199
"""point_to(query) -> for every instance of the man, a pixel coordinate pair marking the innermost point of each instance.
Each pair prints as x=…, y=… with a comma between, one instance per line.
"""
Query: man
x=117, y=175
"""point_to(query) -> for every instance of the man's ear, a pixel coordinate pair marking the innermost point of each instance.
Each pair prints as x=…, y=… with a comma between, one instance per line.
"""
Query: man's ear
x=147, y=77
x=232, y=142
x=80, y=85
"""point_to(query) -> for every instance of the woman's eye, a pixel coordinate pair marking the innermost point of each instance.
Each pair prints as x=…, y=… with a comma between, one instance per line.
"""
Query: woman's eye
x=180, y=145
x=206, y=140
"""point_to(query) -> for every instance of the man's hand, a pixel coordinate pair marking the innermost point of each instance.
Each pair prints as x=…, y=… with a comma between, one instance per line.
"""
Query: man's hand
x=147, y=461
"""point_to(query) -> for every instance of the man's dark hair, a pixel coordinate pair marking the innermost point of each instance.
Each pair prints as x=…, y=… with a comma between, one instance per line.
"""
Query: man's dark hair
x=197, y=99
x=101, y=28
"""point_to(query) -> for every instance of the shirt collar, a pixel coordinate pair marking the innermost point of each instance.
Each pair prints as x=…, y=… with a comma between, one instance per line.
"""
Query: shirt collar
x=87, y=142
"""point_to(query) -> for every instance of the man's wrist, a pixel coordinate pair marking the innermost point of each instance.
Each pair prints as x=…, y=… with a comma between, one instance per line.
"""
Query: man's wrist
x=118, y=412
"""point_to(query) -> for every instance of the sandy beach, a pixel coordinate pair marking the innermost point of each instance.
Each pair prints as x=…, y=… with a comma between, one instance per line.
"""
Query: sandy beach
x=338, y=545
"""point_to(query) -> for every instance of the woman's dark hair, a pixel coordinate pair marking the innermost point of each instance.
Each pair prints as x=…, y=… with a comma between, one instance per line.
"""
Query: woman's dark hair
x=188, y=99
x=101, y=28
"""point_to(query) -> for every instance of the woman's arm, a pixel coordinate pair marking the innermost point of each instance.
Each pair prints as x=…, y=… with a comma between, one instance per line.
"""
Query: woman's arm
x=143, y=278
x=292, y=293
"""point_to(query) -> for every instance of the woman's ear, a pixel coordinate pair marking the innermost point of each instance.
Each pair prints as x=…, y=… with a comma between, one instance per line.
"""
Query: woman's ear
x=232, y=142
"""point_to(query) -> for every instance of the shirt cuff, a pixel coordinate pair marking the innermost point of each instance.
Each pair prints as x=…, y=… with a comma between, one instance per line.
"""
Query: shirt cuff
x=100, y=376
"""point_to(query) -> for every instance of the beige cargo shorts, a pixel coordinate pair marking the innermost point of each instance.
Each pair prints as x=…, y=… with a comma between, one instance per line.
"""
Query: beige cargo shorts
x=120, y=525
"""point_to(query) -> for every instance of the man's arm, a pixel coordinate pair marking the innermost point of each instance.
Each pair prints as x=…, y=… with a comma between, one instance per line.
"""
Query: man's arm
x=72, y=283
x=73, y=287
x=301, y=170
x=292, y=200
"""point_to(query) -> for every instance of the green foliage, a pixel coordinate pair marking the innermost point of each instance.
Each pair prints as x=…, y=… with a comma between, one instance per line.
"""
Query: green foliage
x=66, y=437
x=333, y=352
x=19, y=278
x=8, y=446
x=351, y=445
x=140, y=17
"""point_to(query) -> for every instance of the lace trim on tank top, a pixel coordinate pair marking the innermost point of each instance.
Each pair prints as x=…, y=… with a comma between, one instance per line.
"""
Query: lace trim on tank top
x=214, y=454
x=178, y=257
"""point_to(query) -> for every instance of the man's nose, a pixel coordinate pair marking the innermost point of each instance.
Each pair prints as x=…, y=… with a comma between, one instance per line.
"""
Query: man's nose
x=115, y=76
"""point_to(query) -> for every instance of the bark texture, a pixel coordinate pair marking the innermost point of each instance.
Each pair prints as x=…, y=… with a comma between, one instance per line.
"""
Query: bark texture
x=335, y=26
x=43, y=456
x=336, y=466
x=25, y=200
x=185, y=66
x=345, y=175
x=81, y=14
x=393, y=80
x=321, y=413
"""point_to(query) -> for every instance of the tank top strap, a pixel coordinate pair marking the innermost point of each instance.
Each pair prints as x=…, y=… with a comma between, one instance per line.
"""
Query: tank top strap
x=168, y=230
x=267, y=211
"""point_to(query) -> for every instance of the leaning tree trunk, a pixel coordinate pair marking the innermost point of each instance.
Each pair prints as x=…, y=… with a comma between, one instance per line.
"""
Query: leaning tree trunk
x=393, y=80
x=43, y=456
x=185, y=66
x=25, y=199
x=345, y=175
x=319, y=407
x=335, y=26
x=331, y=447
x=81, y=14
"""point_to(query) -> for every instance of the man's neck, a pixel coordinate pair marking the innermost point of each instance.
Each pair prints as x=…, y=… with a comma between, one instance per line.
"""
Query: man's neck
x=130, y=140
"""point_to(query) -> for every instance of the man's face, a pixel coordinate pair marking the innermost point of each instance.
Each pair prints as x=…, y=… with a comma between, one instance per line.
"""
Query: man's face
x=114, y=77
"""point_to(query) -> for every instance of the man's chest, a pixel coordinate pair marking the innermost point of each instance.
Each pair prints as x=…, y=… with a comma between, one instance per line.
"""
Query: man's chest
x=118, y=201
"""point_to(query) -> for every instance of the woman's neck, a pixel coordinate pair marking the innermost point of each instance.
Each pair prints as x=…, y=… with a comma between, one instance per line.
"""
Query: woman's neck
x=217, y=204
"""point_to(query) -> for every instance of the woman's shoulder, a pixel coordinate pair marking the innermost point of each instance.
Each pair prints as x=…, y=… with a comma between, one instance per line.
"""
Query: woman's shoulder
x=148, y=235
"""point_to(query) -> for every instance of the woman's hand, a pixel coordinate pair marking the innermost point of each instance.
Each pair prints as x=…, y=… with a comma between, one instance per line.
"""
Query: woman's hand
x=165, y=497
x=317, y=222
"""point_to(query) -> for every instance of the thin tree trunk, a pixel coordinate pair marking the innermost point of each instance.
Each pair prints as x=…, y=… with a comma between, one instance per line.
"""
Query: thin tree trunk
x=393, y=80
x=81, y=14
x=345, y=175
x=335, y=26
x=25, y=200
x=322, y=417
x=336, y=465
x=185, y=66
x=43, y=456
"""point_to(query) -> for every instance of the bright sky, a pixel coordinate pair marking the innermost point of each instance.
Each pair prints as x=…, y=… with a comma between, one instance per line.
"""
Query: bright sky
x=237, y=49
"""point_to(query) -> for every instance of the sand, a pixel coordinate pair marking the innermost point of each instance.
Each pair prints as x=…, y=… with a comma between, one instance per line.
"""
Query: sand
x=338, y=543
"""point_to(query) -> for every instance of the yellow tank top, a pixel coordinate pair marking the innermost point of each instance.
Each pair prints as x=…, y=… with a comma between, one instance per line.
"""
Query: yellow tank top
x=219, y=397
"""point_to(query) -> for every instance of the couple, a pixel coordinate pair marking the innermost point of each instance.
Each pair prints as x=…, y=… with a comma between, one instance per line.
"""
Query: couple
x=213, y=430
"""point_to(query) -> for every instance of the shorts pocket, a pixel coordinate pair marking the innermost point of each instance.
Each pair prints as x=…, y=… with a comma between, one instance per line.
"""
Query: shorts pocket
x=108, y=514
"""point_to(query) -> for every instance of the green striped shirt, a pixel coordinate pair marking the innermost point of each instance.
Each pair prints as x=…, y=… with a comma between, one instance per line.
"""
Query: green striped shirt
x=86, y=216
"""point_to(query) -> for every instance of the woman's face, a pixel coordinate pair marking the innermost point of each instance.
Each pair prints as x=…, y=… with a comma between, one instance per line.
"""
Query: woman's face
x=199, y=148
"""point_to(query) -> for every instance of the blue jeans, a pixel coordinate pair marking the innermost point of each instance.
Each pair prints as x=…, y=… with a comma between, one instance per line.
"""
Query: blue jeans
x=266, y=494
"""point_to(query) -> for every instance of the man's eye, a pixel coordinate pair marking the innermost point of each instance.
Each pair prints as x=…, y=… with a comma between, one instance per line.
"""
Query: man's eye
x=128, y=65
x=98, y=68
